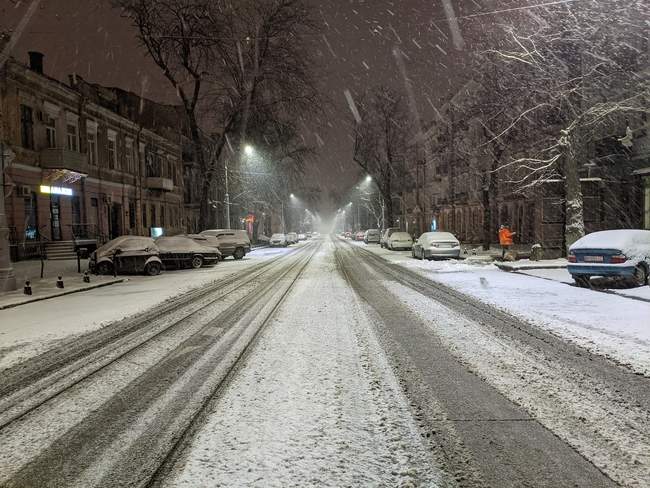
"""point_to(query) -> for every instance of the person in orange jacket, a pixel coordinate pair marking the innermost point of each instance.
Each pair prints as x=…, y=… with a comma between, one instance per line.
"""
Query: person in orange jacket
x=505, y=239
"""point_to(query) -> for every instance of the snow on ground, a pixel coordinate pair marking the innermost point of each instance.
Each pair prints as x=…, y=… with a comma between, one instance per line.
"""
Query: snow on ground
x=315, y=405
x=605, y=323
x=588, y=415
x=30, y=329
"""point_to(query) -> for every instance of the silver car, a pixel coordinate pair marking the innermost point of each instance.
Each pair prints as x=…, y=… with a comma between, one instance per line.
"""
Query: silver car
x=399, y=241
x=432, y=245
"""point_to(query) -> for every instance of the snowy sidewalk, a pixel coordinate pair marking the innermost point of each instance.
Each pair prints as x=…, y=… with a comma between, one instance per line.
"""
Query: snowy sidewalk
x=610, y=324
x=316, y=404
x=45, y=288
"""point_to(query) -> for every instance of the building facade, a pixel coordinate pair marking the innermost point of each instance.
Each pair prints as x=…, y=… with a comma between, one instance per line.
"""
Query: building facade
x=92, y=163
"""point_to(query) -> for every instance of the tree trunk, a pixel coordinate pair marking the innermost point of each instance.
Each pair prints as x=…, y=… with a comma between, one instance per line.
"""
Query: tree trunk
x=204, y=203
x=574, y=210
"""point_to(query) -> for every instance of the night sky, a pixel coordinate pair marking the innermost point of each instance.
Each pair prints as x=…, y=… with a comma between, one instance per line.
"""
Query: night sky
x=354, y=52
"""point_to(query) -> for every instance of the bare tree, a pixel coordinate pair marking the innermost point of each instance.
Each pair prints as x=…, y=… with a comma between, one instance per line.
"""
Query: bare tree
x=178, y=35
x=380, y=143
x=578, y=67
x=228, y=60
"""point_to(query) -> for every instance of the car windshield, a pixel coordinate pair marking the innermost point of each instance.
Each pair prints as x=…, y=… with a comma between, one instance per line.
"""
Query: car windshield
x=310, y=243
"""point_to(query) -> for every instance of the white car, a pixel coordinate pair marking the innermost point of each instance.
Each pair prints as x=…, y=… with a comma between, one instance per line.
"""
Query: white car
x=292, y=238
x=621, y=253
x=399, y=241
x=432, y=245
x=278, y=240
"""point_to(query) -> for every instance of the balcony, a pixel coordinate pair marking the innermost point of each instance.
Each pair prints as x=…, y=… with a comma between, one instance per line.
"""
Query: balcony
x=157, y=183
x=60, y=158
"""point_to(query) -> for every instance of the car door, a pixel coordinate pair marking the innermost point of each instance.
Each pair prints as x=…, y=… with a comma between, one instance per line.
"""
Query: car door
x=226, y=242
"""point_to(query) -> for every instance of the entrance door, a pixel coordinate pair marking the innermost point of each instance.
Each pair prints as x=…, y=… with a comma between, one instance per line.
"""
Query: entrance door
x=55, y=217
x=77, y=230
x=115, y=220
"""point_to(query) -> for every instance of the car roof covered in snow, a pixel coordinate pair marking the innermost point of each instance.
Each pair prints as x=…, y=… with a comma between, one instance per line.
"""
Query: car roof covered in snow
x=633, y=242
x=401, y=235
x=127, y=243
x=277, y=236
x=439, y=236
x=181, y=244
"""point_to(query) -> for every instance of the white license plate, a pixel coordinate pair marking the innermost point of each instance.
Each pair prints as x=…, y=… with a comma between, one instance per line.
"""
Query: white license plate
x=593, y=259
x=444, y=245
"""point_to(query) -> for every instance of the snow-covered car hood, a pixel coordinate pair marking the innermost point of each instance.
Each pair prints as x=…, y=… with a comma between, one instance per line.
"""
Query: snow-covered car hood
x=634, y=243
x=182, y=244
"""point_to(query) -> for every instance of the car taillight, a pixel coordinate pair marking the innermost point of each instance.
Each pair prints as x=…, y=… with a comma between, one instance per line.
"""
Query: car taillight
x=618, y=259
x=572, y=258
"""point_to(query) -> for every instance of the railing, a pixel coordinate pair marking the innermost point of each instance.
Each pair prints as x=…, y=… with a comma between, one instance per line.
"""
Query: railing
x=87, y=231
x=24, y=248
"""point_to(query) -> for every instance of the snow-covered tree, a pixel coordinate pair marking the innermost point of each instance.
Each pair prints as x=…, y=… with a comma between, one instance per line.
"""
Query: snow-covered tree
x=579, y=65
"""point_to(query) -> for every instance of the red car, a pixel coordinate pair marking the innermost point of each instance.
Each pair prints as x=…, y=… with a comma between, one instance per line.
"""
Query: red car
x=359, y=236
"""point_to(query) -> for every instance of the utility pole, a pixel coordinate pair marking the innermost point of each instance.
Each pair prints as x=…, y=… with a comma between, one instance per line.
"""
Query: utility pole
x=227, y=196
x=7, y=276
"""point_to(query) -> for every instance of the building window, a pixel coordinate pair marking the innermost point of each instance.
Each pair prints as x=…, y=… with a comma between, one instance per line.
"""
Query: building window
x=27, y=127
x=646, y=206
x=162, y=216
x=153, y=215
x=112, y=149
x=73, y=137
x=92, y=147
x=50, y=131
x=128, y=155
x=131, y=214
x=144, y=216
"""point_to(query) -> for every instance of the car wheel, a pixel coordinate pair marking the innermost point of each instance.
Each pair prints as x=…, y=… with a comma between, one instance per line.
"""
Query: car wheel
x=197, y=262
x=582, y=281
x=152, y=269
x=104, y=268
x=239, y=253
x=640, y=275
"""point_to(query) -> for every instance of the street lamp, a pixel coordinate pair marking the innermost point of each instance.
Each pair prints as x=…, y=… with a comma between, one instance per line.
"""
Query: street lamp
x=248, y=150
x=368, y=179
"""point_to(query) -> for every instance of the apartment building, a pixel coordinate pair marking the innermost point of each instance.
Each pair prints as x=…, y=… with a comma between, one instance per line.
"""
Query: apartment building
x=91, y=162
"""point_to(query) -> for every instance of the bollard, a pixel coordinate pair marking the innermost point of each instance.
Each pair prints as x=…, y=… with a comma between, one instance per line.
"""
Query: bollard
x=27, y=290
x=86, y=277
x=59, y=282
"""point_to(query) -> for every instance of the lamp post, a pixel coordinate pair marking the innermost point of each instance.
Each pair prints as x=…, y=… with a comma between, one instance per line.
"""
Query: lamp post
x=227, y=195
x=7, y=276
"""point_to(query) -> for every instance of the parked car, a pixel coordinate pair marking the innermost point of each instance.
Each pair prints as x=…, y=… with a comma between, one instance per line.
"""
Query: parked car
x=372, y=236
x=127, y=254
x=302, y=237
x=232, y=242
x=611, y=253
x=315, y=235
x=308, y=234
x=383, y=240
x=399, y=241
x=348, y=234
x=278, y=240
x=359, y=236
x=432, y=245
x=185, y=252
x=292, y=238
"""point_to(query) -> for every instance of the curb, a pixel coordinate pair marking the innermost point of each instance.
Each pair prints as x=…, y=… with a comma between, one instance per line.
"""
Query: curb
x=510, y=268
x=60, y=294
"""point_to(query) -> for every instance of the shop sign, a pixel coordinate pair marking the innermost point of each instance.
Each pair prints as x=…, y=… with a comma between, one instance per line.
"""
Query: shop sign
x=56, y=190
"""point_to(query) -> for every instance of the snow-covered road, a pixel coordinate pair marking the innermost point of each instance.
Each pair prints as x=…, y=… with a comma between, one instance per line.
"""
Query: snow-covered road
x=316, y=405
x=329, y=365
